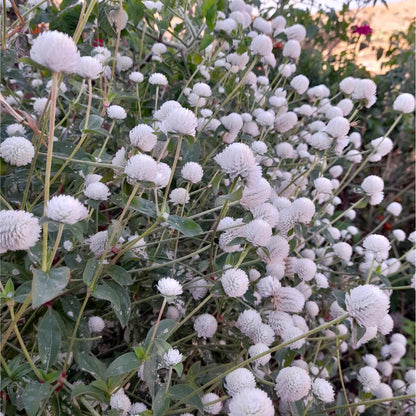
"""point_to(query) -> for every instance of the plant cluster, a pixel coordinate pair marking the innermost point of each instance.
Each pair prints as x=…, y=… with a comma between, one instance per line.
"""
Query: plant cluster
x=178, y=221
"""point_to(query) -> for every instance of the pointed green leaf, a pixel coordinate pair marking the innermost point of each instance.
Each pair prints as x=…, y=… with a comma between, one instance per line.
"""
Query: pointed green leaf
x=181, y=391
x=90, y=270
x=123, y=364
x=121, y=276
x=185, y=226
x=33, y=395
x=49, y=339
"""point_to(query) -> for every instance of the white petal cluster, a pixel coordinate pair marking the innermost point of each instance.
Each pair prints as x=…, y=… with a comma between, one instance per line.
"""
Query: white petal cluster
x=251, y=402
x=116, y=112
x=96, y=324
x=179, y=196
x=158, y=79
x=17, y=151
x=248, y=320
x=292, y=384
x=367, y=304
x=56, y=51
x=405, y=103
x=205, y=325
x=120, y=401
x=373, y=186
x=143, y=137
x=258, y=232
x=169, y=287
x=376, y=247
x=257, y=349
x=142, y=168
x=212, y=409
x=136, y=77
x=369, y=378
x=261, y=45
x=172, y=357
x=19, y=230
x=180, y=121
x=323, y=390
x=238, y=380
x=192, y=172
x=66, y=209
x=235, y=282
x=97, y=191
x=90, y=67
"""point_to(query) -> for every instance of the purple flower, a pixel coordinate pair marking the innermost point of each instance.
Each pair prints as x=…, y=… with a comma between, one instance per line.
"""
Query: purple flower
x=362, y=30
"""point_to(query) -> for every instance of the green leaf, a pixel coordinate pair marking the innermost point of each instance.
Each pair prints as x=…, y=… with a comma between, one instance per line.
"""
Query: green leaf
x=185, y=226
x=71, y=306
x=160, y=403
x=235, y=196
x=90, y=270
x=49, y=339
x=91, y=391
x=339, y=295
x=46, y=286
x=135, y=11
x=195, y=58
x=94, y=122
x=119, y=298
x=206, y=41
x=92, y=365
x=123, y=364
x=33, y=395
x=165, y=325
x=121, y=276
x=209, y=11
x=140, y=353
x=180, y=391
x=137, y=204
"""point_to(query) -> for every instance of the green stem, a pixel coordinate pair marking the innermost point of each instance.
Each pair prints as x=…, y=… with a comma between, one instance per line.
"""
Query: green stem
x=168, y=380
x=156, y=326
x=56, y=245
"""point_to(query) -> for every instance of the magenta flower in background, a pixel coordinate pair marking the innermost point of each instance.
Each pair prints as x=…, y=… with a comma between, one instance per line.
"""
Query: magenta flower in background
x=362, y=30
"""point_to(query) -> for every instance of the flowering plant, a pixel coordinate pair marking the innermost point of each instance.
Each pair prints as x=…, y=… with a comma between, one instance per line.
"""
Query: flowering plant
x=178, y=222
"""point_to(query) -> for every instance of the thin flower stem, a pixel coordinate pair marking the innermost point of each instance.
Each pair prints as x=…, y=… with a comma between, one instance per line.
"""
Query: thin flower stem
x=156, y=326
x=370, y=272
x=341, y=377
x=4, y=202
x=83, y=21
x=168, y=380
x=56, y=245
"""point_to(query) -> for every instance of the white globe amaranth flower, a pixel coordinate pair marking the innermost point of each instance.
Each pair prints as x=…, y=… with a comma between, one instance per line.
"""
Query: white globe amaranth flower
x=248, y=320
x=120, y=401
x=258, y=232
x=97, y=191
x=137, y=409
x=202, y=89
x=268, y=286
x=179, y=196
x=205, y=325
x=212, y=409
x=66, y=209
x=153, y=5
x=262, y=334
x=338, y=127
x=17, y=151
x=136, y=77
x=373, y=186
x=300, y=84
x=292, y=384
x=142, y=168
x=96, y=324
x=238, y=380
x=290, y=333
x=15, y=129
x=280, y=321
x=370, y=360
x=296, y=31
x=90, y=67
x=116, y=112
x=289, y=299
x=405, y=103
x=369, y=378
x=367, y=304
x=258, y=349
x=312, y=308
x=323, y=390
x=261, y=45
x=143, y=137
x=192, y=172
x=235, y=282
x=169, y=287
x=382, y=147
x=251, y=402
x=343, y=251
x=286, y=121
x=123, y=63
x=376, y=247
x=292, y=50
x=19, y=230
x=256, y=194
x=172, y=357
x=56, y=51
x=180, y=121
x=302, y=210
x=394, y=208
x=98, y=242
x=347, y=85
x=158, y=79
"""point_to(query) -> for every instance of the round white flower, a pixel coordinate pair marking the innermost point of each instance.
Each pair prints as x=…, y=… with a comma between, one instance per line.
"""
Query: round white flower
x=261, y=45
x=17, y=151
x=123, y=63
x=323, y=390
x=289, y=299
x=369, y=378
x=136, y=77
x=97, y=191
x=262, y=334
x=142, y=168
x=367, y=304
x=172, y=357
x=120, y=401
x=376, y=247
x=19, y=230
x=373, y=186
x=205, y=325
x=137, y=409
x=405, y=103
x=180, y=121
x=98, y=242
x=286, y=121
x=292, y=384
x=347, y=85
x=300, y=84
x=202, y=90
x=15, y=129
x=258, y=349
x=394, y=209
x=179, y=196
x=258, y=232
x=280, y=321
x=235, y=282
x=116, y=112
x=212, y=409
x=169, y=287
x=142, y=137
x=248, y=320
x=158, y=79
x=292, y=49
x=238, y=380
x=268, y=286
x=66, y=209
x=343, y=251
x=338, y=127
x=96, y=324
x=90, y=67
x=192, y=172
x=251, y=402
x=56, y=51
x=297, y=32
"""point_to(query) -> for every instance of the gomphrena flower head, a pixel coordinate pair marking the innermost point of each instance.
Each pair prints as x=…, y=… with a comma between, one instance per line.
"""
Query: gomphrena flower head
x=66, y=209
x=180, y=121
x=367, y=304
x=212, y=409
x=258, y=349
x=169, y=287
x=205, y=325
x=192, y=172
x=97, y=191
x=238, y=380
x=96, y=324
x=376, y=247
x=17, y=151
x=172, y=357
x=292, y=384
x=142, y=168
x=158, y=79
x=19, y=230
x=179, y=196
x=248, y=320
x=369, y=378
x=261, y=45
x=116, y=112
x=56, y=51
x=143, y=137
x=323, y=390
x=251, y=402
x=120, y=401
x=405, y=103
x=89, y=67
x=235, y=282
